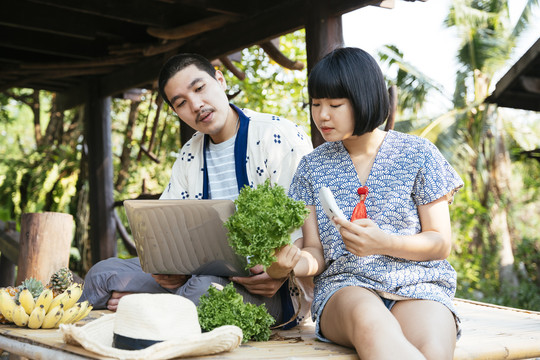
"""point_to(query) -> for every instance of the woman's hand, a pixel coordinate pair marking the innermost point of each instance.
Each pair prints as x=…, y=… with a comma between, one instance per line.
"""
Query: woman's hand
x=170, y=282
x=287, y=258
x=363, y=237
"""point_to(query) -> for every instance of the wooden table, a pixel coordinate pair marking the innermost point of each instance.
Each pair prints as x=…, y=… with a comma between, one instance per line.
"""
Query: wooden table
x=489, y=332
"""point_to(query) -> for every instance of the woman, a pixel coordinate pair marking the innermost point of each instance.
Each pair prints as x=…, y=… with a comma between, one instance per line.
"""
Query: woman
x=382, y=283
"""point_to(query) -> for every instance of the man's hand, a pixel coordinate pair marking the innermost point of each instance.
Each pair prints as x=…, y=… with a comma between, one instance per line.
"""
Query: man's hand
x=170, y=282
x=259, y=283
x=112, y=303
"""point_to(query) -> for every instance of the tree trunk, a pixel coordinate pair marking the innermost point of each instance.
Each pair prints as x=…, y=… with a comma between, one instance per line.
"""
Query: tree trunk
x=34, y=104
x=502, y=193
x=44, y=245
x=55, y=128
x=125, y=157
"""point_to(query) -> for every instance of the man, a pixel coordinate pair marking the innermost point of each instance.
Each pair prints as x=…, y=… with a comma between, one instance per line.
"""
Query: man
x=230, y=149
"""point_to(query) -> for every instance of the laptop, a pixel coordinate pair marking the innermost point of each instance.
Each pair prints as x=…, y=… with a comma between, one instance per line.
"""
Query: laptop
x=184, y=237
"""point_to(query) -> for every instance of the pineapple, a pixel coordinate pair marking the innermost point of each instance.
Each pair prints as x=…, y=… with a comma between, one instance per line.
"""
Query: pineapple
x=60, y=281
x=33, y=285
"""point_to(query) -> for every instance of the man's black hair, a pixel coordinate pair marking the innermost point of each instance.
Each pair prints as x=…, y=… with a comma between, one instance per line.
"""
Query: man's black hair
x=178, y=63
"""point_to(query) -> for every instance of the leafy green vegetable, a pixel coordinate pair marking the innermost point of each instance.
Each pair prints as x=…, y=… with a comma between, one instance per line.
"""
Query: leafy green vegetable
x=264, y=219
x=226, y=307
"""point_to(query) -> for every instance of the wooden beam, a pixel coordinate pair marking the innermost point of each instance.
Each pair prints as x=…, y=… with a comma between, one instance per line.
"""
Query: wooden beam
x=43, y=43
x=191, y=29
x=506, y=83
x=276, y=55
x=25, y=14
x=530, y=84
x=232, y=68
x=97, y=124
x=323, y=34
x=230, y=7
x=150, y=13
x=214, y=44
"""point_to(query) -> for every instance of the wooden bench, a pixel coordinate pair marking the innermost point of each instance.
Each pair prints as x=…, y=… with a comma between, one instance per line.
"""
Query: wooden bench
x=489, y=332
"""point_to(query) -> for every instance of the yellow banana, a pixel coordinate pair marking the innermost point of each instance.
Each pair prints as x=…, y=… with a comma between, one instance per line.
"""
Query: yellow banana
x=75, y=292
x=52, y=319
x=27, y=300
x=36, y=317
x=69, y=315
x=7, y=305
x=85, y=314
x=60, y=299
x=45, y=299
x=84, y=306
x=20, y=317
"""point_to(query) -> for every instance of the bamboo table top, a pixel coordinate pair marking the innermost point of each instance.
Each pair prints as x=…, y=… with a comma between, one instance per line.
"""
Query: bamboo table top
x=488, y=332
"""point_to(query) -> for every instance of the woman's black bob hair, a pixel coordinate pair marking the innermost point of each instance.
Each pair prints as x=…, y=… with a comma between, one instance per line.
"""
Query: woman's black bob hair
x=353, y=74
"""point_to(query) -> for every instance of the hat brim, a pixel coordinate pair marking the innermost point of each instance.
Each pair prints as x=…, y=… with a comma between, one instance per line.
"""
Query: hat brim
x=97, y=337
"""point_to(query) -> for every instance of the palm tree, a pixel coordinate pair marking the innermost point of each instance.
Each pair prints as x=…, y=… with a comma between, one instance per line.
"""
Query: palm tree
x=473, y=130
x=487, y=40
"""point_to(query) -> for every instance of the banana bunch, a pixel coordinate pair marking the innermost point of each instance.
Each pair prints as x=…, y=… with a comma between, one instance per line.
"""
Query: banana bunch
x=47, y=311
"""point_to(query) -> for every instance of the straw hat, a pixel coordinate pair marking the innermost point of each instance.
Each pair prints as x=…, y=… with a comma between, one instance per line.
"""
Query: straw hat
x=167, y=323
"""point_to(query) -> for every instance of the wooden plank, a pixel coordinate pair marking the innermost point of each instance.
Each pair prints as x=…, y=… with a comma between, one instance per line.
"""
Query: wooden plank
x=489, y=332
x=497, y=332
x=50, y=44
x=151, y=13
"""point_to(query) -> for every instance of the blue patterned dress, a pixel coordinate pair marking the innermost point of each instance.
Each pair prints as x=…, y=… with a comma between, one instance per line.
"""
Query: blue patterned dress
x=408, y=171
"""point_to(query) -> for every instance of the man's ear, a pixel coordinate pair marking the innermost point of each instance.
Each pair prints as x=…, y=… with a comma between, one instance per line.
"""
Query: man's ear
x=221, y=79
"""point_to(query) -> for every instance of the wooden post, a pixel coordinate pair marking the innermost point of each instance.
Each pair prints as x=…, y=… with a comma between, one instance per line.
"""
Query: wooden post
x=97, y=123
x=9, y=247
x=323, y=34
x=45, y=242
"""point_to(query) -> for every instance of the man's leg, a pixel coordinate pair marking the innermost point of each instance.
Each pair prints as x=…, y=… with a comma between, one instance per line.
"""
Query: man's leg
x=114, y=274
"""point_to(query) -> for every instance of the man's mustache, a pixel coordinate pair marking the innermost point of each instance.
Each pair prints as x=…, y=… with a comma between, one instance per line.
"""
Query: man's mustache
x=203, y=113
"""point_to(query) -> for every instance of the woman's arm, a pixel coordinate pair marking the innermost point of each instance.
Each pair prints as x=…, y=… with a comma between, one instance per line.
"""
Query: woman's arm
x=363, y=237
x=308, y=261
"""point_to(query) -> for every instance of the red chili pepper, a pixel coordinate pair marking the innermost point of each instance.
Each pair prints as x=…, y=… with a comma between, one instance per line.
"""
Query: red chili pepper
x=360, y=211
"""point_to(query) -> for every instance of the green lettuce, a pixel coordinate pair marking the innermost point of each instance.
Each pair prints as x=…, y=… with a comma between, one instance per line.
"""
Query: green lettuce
x=264, y=219
x=226, y=307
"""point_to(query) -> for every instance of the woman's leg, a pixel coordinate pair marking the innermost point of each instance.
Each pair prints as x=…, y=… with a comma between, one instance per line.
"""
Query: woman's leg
x=356, y=317
x=429, y=326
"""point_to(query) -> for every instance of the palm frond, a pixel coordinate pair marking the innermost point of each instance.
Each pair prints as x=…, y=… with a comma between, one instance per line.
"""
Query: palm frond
x=524, y=19
x=391, y=54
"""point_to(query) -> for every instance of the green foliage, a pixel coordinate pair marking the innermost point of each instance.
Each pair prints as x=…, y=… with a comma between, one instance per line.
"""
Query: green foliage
x=270, y=88
x=264, y=219
x=37, y=178
x=226, y=307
